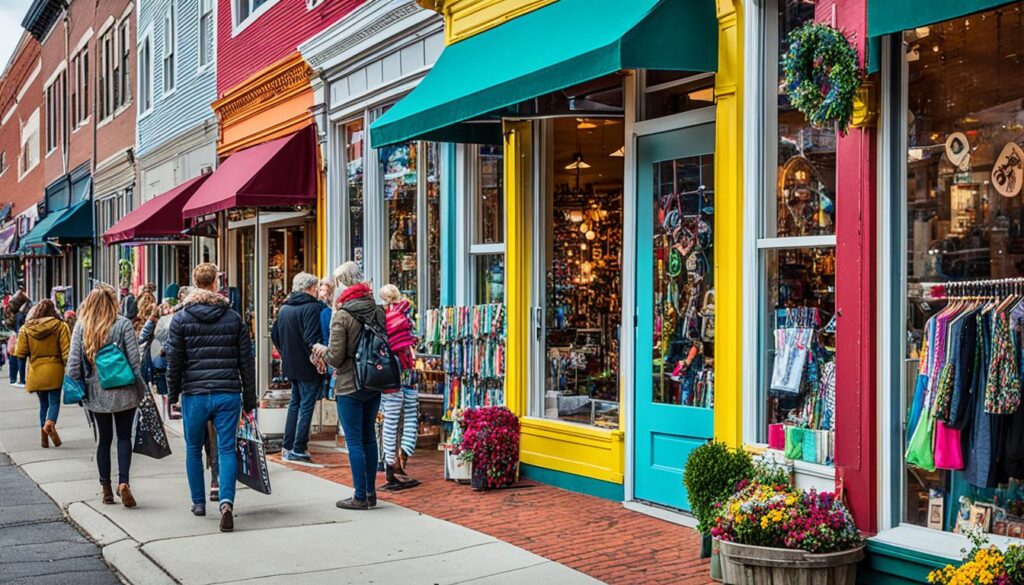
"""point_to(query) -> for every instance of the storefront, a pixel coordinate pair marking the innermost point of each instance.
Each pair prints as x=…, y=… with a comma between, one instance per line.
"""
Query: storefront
x=950, y=260
x=609, y=178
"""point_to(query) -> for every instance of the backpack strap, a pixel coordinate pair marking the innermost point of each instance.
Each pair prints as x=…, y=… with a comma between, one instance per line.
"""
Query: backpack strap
x=371, y=326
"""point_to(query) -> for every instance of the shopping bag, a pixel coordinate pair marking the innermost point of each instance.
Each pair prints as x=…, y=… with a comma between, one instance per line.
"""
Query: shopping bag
x=150, y=437
x=252, y=457
x=74, y=390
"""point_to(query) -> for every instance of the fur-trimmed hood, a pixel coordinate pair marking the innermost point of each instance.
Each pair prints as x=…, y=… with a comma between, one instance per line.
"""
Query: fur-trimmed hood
x=204, y=305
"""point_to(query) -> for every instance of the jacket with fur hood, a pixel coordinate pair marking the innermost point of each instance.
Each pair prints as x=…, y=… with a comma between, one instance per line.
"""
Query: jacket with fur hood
x=45, y=342
x=209, y=350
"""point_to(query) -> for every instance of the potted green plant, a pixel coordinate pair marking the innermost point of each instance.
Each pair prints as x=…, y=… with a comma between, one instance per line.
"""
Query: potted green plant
x=710, y=476
x=771, y=534
x=490, y=441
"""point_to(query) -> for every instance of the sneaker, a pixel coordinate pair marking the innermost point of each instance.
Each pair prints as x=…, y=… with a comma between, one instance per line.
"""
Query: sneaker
x=293, y=456
x=353, y=504
x=227, y=519
x=284, y=452
x=199, y=509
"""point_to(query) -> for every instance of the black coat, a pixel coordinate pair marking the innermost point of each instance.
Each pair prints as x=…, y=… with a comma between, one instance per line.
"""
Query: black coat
x=295, y=332
x=209, y=350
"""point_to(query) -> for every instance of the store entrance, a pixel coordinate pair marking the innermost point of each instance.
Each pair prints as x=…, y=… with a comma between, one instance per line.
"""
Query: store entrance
x=675, y=309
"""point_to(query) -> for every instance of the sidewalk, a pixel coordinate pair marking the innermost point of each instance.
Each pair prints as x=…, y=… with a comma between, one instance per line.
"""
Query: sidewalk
x=297, y=531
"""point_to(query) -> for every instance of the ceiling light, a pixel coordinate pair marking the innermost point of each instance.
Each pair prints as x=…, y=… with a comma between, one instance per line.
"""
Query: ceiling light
x=620, y=152
x=577, y=162
x=922, y=31
x=583, y=124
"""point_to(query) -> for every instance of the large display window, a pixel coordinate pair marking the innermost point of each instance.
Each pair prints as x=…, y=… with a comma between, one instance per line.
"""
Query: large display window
x=486, y=200
x=962, y=440
x=795, y=253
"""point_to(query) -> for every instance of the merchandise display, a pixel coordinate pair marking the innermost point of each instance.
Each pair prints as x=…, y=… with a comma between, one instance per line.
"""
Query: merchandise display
x=286, y=258
x=401, y=177
x=963, y=268
x=354, y=183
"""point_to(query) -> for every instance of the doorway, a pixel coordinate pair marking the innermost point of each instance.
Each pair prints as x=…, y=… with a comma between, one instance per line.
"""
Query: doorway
x=675, y=352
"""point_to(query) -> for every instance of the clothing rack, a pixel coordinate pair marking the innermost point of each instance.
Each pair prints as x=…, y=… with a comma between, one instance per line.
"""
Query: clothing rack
x=989, y=287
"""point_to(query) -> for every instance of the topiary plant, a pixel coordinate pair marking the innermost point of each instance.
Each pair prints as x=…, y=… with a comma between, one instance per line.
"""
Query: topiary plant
x=711, y=474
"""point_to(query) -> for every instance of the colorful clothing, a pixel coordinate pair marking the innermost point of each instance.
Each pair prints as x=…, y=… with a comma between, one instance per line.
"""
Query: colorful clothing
x=1002, y=391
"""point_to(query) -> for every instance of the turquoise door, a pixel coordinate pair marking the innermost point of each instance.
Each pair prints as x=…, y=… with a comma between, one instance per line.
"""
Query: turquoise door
x=675, y=323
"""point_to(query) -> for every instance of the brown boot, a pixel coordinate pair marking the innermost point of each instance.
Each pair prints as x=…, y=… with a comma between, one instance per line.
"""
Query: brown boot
x=51, y=429
x=125, y=493
x=108, y=493
x=44, y=439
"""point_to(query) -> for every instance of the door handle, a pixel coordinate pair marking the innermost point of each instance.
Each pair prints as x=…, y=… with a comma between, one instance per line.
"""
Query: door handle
x=538, y=323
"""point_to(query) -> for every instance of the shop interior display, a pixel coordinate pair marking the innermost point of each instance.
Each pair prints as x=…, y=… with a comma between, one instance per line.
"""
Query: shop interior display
x=354, y=134
x=489, y=225
x=964, y=263
x=584, y=273
x=401, y=177
x=684, y=302
x=286, y=258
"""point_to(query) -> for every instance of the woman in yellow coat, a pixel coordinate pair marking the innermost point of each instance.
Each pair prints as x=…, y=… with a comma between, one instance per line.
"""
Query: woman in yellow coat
x=44, y=340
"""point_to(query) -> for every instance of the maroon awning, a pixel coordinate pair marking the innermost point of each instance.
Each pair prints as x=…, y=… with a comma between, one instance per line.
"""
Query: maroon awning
x=278, y=173
x=160, y=217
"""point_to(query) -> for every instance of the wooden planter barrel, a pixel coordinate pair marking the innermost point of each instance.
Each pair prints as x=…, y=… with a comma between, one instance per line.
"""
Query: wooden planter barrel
x=744, y=564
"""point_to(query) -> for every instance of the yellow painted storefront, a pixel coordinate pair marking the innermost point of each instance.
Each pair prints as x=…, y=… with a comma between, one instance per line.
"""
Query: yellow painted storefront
x=591, y=452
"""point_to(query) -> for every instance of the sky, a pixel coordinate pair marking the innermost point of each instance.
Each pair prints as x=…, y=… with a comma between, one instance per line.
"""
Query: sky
x=11, y=13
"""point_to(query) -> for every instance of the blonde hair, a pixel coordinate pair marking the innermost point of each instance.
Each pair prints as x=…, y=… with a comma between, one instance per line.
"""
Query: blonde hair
x=97, y=315
x=389, y=293
x=205, y=275
x=147, y=302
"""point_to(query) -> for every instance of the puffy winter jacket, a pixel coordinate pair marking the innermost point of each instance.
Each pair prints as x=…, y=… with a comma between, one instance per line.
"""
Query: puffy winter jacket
x=208, y=350
x=45, y=342
x=296, y=330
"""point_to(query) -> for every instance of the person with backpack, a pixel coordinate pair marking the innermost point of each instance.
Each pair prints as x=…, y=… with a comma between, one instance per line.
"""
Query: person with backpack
x=212, y=369
x=44, y=341
x=401, y=403
x=358, y=337
x=104, y=355
x=19, y=305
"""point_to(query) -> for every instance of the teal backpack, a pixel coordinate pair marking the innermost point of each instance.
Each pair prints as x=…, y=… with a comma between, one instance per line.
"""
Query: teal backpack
x=113, y=368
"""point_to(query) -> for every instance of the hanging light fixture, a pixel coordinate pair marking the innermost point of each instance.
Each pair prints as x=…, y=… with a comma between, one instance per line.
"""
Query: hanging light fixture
x=577, y=162
x=584, y=124
x=620, y=152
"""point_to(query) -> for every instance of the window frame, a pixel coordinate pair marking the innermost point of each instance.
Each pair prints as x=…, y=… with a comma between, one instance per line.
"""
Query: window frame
x=33, y=135
x=239, y=24
x=206, y=10
x=473, y=249
x=144, y=62
x=124, y=78
x=169, y=58
x=107, y=46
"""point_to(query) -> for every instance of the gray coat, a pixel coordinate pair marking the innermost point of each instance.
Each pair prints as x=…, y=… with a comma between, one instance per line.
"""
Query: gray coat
x=98, y=399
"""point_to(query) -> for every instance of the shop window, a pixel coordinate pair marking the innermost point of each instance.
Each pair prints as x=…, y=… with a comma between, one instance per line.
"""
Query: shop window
x=354, y=185
x=432, y=275
x=487, y=230
x=581, y=222
x=401, y=187
x=795, y=315
x=961, y=272
x=672, y=92
x=170, y=45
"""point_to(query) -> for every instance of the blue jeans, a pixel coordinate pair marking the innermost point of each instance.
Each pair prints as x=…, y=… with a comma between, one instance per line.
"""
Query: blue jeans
x=300, y=414
x=160, y=379
x=358, y=415
x=49, y=405
x=17, y=373
x=224, y=409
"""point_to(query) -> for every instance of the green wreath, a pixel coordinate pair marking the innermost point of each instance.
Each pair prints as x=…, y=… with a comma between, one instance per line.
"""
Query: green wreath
x=822, y=76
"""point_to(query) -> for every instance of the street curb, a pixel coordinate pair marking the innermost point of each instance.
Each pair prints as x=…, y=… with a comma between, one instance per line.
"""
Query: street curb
x=137, y=569
x=98, y=527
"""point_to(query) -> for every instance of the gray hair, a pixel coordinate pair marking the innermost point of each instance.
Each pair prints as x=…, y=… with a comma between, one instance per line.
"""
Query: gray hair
x=304, y=281
x=348, y=274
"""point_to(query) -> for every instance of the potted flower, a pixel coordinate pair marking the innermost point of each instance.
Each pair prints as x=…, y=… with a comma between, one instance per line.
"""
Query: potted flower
x=984, y=564
x=775, y=534
x=710, y=476
x=490, y=440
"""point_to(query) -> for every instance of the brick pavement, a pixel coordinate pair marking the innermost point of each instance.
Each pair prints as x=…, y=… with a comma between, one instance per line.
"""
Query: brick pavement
x=592, y=535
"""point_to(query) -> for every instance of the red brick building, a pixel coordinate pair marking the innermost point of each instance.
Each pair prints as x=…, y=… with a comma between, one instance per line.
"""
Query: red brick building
x=21, y=98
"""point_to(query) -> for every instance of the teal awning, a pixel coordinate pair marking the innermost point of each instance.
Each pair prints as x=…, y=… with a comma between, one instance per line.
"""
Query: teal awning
x=892, y=16
x=560, y=45
x=70, y=223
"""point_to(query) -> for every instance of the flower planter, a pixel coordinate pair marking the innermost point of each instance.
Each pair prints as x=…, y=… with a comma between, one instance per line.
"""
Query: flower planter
x=744, y=564
x=705, y=546
x=459, y=470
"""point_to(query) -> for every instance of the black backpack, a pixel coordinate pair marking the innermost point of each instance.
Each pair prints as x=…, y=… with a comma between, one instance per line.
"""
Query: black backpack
x=376, y=366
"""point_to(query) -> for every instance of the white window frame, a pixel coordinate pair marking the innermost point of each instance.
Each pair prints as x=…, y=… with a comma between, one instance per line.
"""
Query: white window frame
x=123, y=34
x=107, y=55
x=206, y=8
x=169, y=57
x=240, y=24
x=29, y=130
x=468, y=183
x=145, y=92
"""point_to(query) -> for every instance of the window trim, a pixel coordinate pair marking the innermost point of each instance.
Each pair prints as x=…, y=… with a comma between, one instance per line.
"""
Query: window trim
x=239, y=26
x=147, y=37
x=473, y=250
x=124, y=77
x=170, y=15
x=105, y=111
x=203, y=67
x=33, y=125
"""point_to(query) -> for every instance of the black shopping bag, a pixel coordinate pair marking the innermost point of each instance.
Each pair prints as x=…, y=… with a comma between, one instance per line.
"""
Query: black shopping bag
x=150, y=437
x=252, y=457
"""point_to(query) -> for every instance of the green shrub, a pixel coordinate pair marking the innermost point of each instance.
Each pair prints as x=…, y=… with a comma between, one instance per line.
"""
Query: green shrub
x=711, y=474
x=1013, y=558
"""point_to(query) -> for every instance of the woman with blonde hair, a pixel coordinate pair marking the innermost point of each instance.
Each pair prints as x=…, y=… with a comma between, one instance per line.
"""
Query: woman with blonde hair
x=113, y=409
x=44, y=341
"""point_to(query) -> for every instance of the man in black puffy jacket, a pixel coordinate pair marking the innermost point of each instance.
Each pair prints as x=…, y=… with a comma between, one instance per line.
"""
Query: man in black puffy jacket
x=296, y=330
x=210, y=366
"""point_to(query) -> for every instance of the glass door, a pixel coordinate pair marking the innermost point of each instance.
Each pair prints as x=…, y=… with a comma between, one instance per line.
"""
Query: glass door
x=675, y=298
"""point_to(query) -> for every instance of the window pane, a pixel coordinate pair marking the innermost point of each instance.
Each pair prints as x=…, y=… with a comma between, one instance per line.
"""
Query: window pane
x=354, y=185
x=401, y=180
x=806, y=172
x=489, y=275
x=965, y=222
x=666, y=94
x=433, y=226
x=489, y=223
x=800, y=355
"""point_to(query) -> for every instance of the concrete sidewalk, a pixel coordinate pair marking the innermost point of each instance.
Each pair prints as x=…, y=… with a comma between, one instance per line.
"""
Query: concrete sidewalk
x=294, y=536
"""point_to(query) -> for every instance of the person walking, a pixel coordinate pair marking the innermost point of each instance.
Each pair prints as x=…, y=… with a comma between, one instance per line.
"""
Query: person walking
x=357, y=409
x=212, y=370
x=402, y=403
x=19, y=305
x=44, y=341
x=112, y=409
x=296, y=330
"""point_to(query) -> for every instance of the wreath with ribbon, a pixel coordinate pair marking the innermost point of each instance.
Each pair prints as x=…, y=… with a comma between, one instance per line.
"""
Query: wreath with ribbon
x=821, y=74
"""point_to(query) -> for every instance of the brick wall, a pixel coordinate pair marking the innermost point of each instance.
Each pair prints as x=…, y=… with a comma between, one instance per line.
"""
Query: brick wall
x=21, y=77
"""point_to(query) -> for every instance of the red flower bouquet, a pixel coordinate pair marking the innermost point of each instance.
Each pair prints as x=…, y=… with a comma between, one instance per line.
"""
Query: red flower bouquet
x=490, y=439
